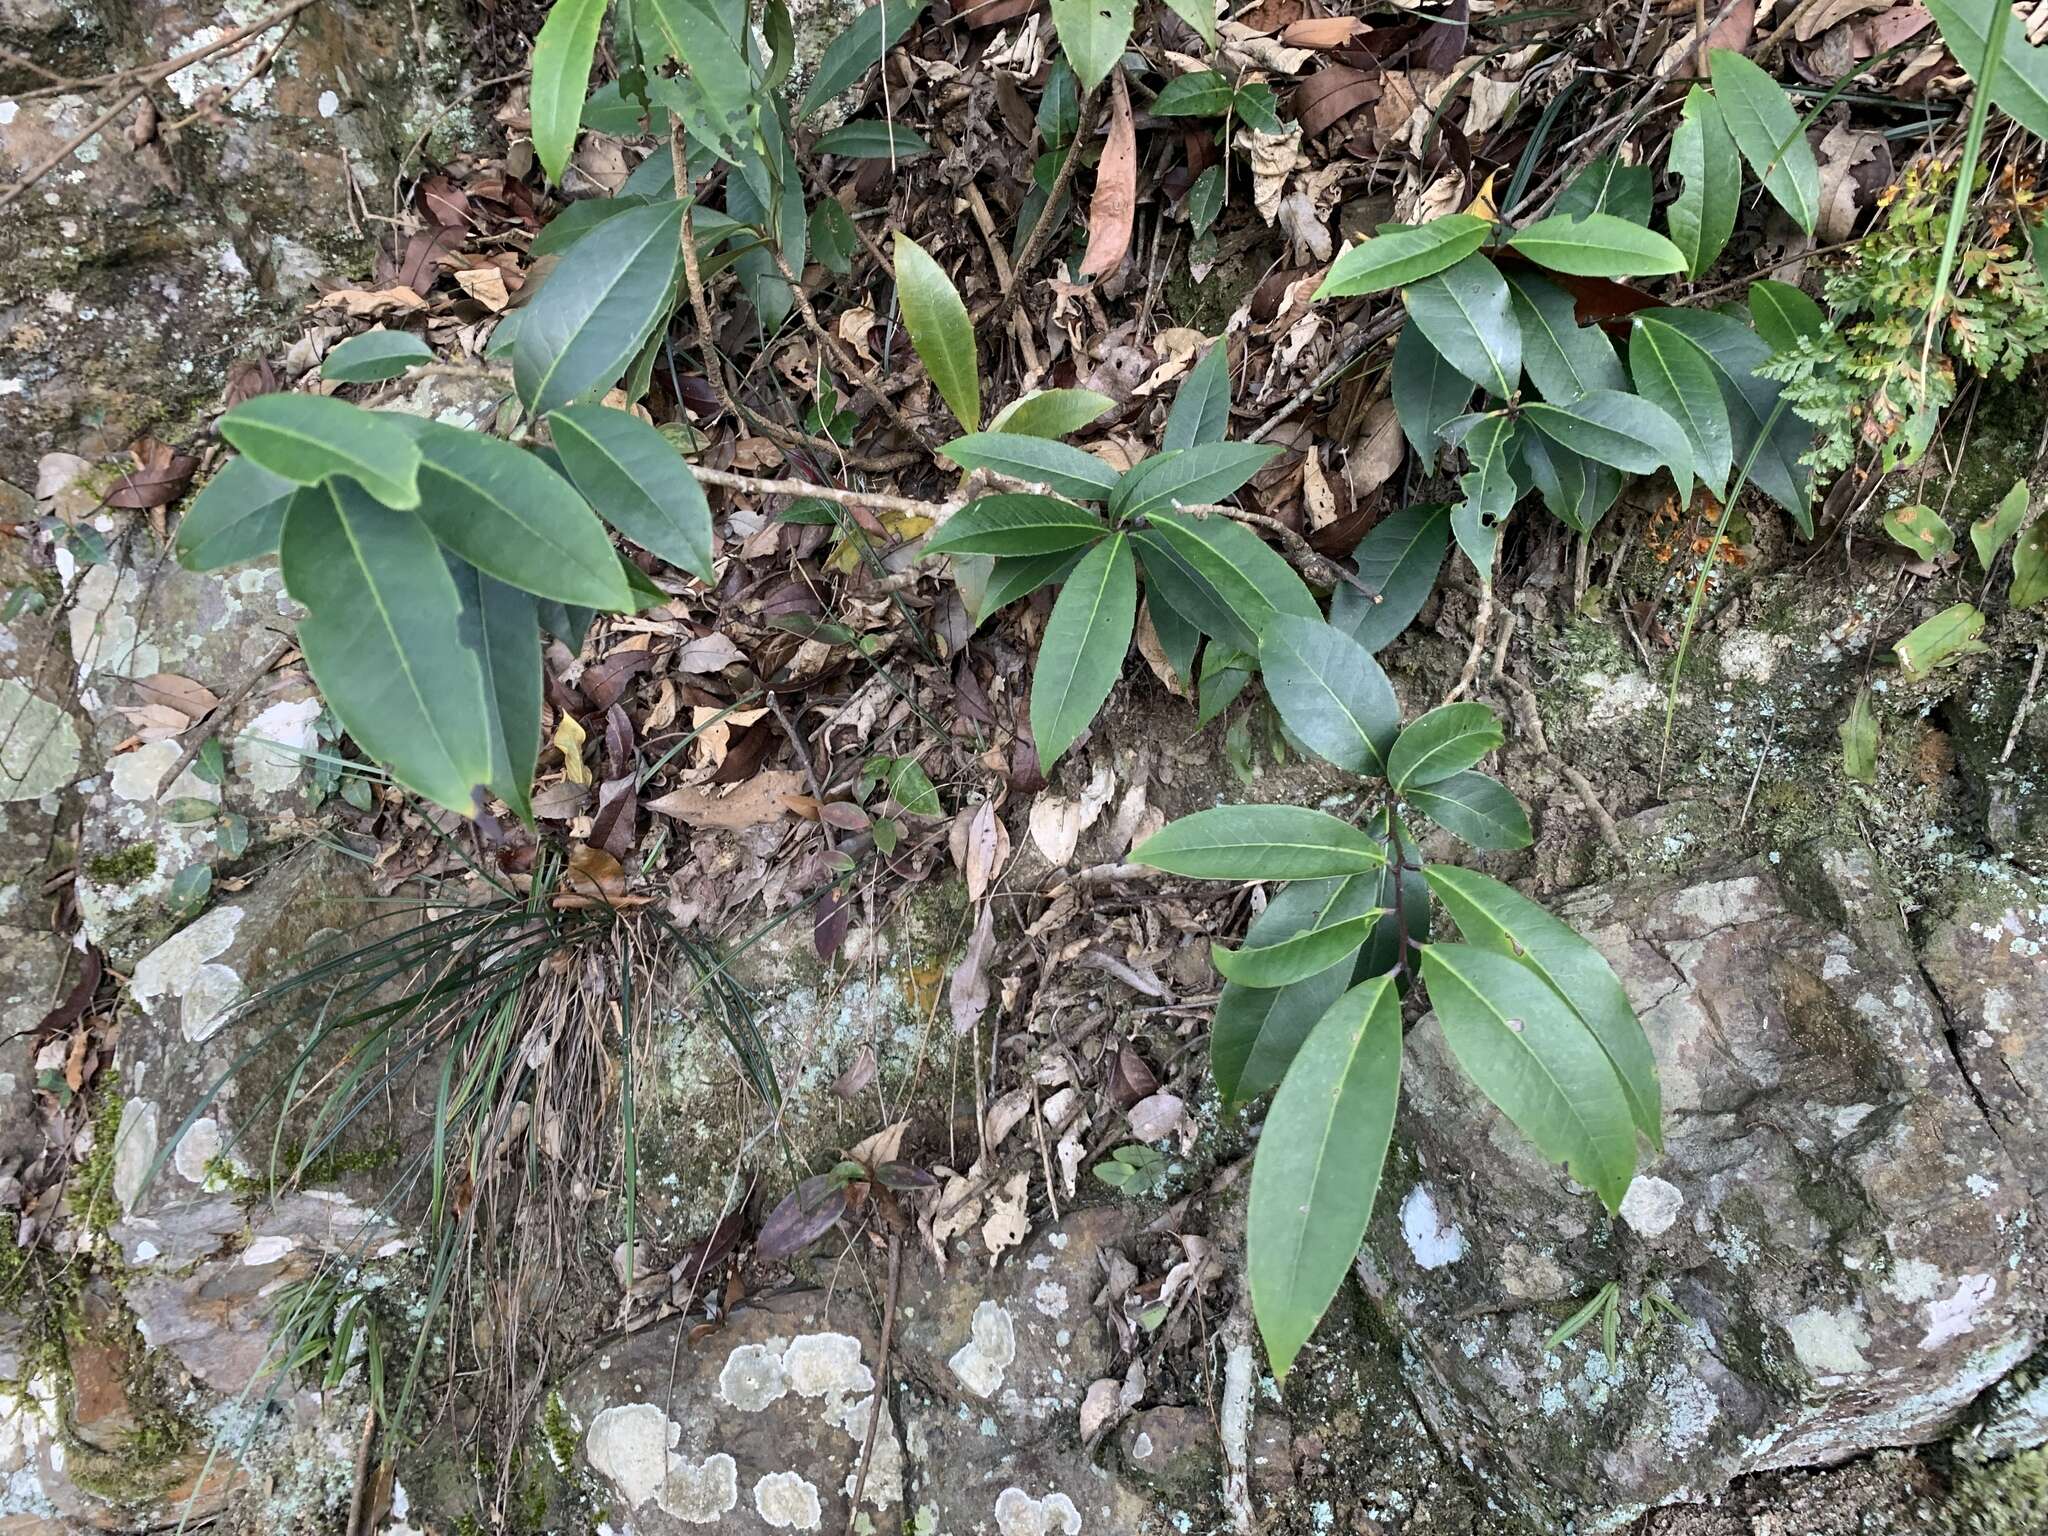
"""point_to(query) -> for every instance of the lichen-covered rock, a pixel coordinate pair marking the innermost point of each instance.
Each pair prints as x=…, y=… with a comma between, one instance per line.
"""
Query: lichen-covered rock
x=1841, y=1236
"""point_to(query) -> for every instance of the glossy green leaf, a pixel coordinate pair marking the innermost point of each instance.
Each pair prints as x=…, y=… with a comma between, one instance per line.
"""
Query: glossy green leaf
x=1199, y=14
x=608, y=109
x=1475, y=807
x=1256, y=1031
x=873, y=140
x=1399, y=560
x=1260, y=842
x=1447, y=740
x=1059, y=465
x=310, y=438
x=1608, y=186
x=1949, y=636
x=1331, y=694
x=1306, y=954
x=1537, y=1061
x=1674, y=375
x=1093, y=35
x=1204, y=93
x=597, y=308
x=1201, y=408
x=1598, y=245
x=939, y=328
x=1704, y=160
x=1205, y=200
x=1188, y=477
x=382, y=637
x=1629, y=432
x=500, y=625
x=1766, y=128
x=1496, y=917
x=1577, y=491
x=1224, y=676
x=2019, y=84
x=1987, y=534
x=560, y=74
x=1402, y=254
x=1920, y=529
x=1179, y=636
x=1051, y=412
x=1248, y=581
x=1016, y=523
x=1563, y=358
x=1735, y=352
x=1085, y=642
x=373, y=357
x=1469, y=316
x=636, y=479
x=510, y=516
x=1859, y=740
x=1783, y=314
x=859, y=48
x=1489, y=487
x=1317, y=1170
x=1428, y=393
x=2030, y=566
x=573, y=223
x=237, y=517
x=719, y=86
x=1012, y=577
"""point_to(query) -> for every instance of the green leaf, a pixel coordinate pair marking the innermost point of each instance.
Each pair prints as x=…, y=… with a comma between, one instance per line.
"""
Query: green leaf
x=636, y=479
x=1257, y=107
x=1489, y=488
x=1013, y=577
x=500, y=625
x=1240, y=582
x=1703, y=158
x=1987, y=534
x=1949, y=636
x=939, y=329
x=373, y=357
x=911, y=787
x=560, y=75
x=1401, y=254
x=576, y=221
x=1577, y=491
x=510, y=516
x=1608, y=186
x=1766, y=128
x=1428, y=393
x=1563, y=358
x=1399, y=560
x=610, y=292
x=1187, y=477
x=1404, y=899
x=719, y=82
x=1610, y=426
x=832, y=236
x=1331, y=694
x=1859, y=740
x=608, y=109
x=1093, y=34
x=1317, y=1170
x=873, y=140
x=1201, y=407
x=1497, y=918
x=1199, y=14
x=1016, y=524
x=383, y=639
x=1469, y=317
x=237, y=517
x=1921, y=529
x=310, y=438
x=859, y=48
x=1674, y=375
x=1537, y=1060
x=1203, y=93
x=1735, y=352
x=2019, y=83
x=1205, y=199
x=1224, y=675
x=1051, y=412
x=1598, y=245
x=1447, y=740
x=1260, y=842
x=1060, y=465
x=1085, y=642
x=1256, y=1031
x=1306, y=954
x=2030, y=566
x=1178, y=635
x=1783, y=315
x=1477, y=808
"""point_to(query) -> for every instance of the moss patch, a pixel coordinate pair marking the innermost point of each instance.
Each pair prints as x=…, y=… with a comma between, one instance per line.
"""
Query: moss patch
x=122, y=866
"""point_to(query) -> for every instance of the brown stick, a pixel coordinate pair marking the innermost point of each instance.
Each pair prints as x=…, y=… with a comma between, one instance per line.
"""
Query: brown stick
x=846, y=498
x=1376, y=331
x=845, y=361
x=221, y=711
x=867, y=1449
x=1041, y=232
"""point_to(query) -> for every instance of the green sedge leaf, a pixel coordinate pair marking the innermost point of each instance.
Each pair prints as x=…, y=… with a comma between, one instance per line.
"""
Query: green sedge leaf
x=1403, y=254
x=1447, y=740
x=1085, y=642
x=1260, y=842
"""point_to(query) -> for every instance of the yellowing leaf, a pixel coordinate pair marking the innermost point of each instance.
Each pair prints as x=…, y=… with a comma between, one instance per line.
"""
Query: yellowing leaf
x=569, y=738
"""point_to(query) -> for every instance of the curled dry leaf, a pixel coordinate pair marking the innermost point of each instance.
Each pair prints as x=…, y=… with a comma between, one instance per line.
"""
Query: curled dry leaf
x=968, y=993
x=1157, y=1116
x=1056, y=828
x=885, y=1146
x=1005, y=1113
x=189, y=698
x=1007, y=1224
x=855, y=1079
x=1100, y=1408
x=980, y=846
x=1321, y=31
x=1115, y=203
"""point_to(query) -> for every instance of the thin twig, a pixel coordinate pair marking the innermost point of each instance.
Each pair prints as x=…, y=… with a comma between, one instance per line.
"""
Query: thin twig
x=223, y=710
x=1041, y=232
x=804, y=760
x=818, y=185
x=1470, y=671
x=153, y=74
x=757, y=486
x=70, y=146
x=1375, y=332
x=844, y=360
x=867, y=1449
x=2019, y=720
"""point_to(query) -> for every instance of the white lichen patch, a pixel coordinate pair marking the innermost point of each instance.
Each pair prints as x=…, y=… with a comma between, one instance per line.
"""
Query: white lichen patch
x=267, y=1250
x=1951, y=1317
x=270, y=752
x=885, y=1467
x=753, y=1378
x=1829, y=1343
x=1433, y=1240
x=826, y=1364
x=38, y=745
x=1749, y=656
x=135, y=1145
x=788, y=1502
x=629, y=1445
x=170, y=969
x=990, y=1348
x=139, y=775
x=197, y=1149
x=1651, y=1205
x=1049, y=1299
x=212, y=993
x=700, y=1492
x=1019, y=1514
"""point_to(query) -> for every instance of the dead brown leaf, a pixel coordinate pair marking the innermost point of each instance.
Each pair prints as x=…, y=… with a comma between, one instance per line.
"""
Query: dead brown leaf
x=764, y=798
x=1115, y=203
x=1321, y=31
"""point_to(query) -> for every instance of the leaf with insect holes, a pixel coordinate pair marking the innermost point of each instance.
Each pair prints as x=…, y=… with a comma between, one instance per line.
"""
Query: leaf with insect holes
x=1317, y=1171
x=940, y=329
x=1766, y=128
x=1085, y=642
x=1062, y=466
x=237, y=517
x=1490, y=443
x=857, y=47
x=635, y=477
x=1447, y=740
x=1921, y=529
x=1468, y=315
x=1987, y=534
x=1611, y=426
x=1597, y=245
x=1016, y=523
x=1673, y=374
x=1201, y=407
x=1859, y=740
x=1537, y=1061
x=1703, y=158
x=560, y=73
x=1475, y=807
x=373, y=357
x=307, y=439
x=1331, y=694
x=1783, y=315
x=1260, y=842
x=1399, y=561
x=1093, y=34
x=597, y=308
x=1401, y=254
